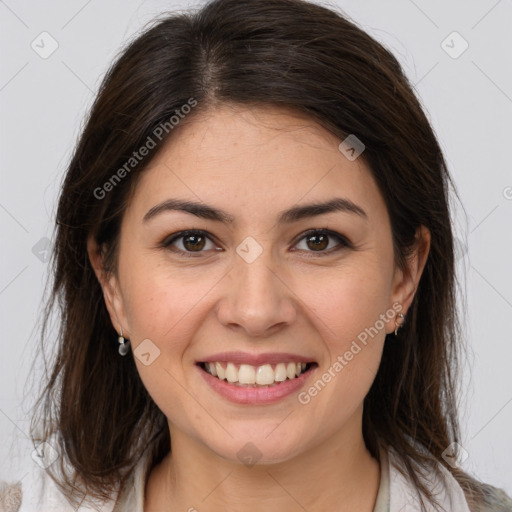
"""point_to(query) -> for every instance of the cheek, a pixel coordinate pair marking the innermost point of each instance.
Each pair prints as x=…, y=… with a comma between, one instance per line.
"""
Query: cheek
x=349, y=301
x=349, y=313
x=160, y=299
x=164, y=308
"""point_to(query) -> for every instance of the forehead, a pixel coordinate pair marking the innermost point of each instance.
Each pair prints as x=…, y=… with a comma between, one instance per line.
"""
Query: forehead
x=253, y=160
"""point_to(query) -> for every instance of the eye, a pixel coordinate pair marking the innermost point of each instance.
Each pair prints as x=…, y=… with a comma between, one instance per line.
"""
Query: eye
x=192, y=243
x=189, y=242
x=319, y=241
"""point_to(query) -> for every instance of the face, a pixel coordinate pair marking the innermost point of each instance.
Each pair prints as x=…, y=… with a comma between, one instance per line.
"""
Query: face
x=244, y=282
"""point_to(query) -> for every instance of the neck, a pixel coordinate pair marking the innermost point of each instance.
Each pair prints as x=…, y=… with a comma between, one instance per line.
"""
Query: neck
x=338, y=472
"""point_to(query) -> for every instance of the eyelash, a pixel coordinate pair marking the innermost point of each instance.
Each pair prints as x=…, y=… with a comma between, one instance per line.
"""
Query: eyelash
x=343, y=242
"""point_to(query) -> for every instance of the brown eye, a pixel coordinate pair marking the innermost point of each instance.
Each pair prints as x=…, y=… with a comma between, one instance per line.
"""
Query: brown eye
x=321, y=241
x=193, y=242
x=317, y=242
x=189, y=242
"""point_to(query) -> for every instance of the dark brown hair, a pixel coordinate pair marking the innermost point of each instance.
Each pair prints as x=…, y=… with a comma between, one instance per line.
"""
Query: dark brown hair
x=281, y=53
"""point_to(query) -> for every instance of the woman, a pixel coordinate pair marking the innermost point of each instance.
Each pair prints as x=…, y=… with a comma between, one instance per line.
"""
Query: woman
x=254, y=263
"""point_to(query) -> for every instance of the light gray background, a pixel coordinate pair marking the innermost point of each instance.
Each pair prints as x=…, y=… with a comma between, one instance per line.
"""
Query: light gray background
x=469, y=100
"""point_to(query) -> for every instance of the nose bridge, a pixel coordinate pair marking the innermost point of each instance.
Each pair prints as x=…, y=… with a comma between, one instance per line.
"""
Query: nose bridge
x=252, y=265
x=257, y=298
x=256, y=279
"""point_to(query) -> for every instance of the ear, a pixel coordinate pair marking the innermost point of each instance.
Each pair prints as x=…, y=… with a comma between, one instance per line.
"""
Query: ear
x=406, y=280
x=110, y=287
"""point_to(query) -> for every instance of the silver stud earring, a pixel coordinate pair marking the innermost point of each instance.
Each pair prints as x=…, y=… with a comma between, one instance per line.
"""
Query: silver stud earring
x=398, y=325
x=124, y=346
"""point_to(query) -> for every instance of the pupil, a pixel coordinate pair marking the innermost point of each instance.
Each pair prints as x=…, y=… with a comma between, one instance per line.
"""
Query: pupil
x=197, y=242
x=322, y=242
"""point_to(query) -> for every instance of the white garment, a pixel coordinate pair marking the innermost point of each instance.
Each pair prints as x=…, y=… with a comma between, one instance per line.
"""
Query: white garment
x=395, y=494
x=404, y=496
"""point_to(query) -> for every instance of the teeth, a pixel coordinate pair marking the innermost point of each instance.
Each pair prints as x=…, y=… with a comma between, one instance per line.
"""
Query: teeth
x=248, y=375
x=231, y=373
x=219, y=370
x=280, y=373
x=265, y=375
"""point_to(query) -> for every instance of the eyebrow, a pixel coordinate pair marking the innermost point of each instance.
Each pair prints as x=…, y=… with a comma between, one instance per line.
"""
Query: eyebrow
x=294, y=214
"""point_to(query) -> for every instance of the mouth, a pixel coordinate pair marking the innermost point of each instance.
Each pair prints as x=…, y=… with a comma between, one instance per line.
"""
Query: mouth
x=261, y=376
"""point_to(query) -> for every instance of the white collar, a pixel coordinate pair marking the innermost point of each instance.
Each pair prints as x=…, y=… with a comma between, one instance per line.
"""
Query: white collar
x=404, y=496
x=396, y=493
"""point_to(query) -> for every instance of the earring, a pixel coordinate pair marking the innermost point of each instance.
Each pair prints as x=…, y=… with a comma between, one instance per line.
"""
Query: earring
x=398, y=325
x=124, y=346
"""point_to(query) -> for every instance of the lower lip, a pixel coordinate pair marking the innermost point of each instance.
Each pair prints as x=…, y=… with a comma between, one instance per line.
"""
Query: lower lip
x=255, y=395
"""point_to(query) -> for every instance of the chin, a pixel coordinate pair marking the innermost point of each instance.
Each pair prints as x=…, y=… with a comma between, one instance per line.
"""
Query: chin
x=257, y=448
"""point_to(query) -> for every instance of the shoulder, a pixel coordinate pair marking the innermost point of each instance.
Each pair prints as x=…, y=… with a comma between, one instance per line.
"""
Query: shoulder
x=494, y=500
x=10, y=496
x=447, y=489
x=36, y=491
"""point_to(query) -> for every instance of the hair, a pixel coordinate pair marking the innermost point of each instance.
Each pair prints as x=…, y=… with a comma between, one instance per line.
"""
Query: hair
x=279, y=53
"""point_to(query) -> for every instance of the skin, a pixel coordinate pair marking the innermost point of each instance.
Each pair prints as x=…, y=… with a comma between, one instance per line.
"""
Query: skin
x=254, y=163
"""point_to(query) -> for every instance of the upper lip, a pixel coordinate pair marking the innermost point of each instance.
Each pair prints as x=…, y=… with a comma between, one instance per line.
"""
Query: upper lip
x=256, y=359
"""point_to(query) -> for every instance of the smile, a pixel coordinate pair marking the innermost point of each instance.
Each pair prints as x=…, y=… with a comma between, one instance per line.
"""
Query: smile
x=264, y=375
x=250, y=379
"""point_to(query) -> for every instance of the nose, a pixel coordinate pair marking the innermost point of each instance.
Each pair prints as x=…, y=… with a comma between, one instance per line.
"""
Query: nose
x=257, y=300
